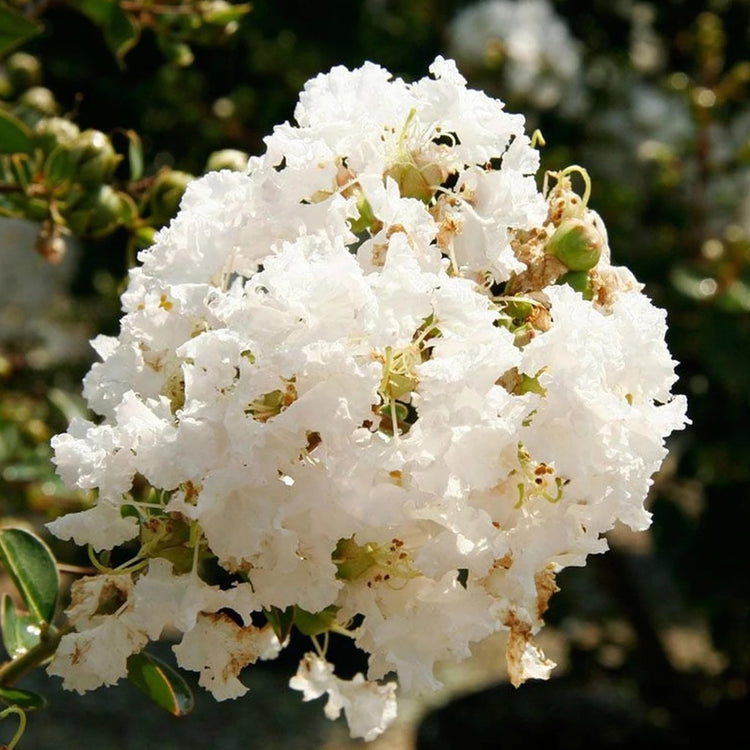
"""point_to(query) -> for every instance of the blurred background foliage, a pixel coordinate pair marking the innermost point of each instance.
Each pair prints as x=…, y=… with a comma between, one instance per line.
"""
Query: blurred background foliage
x=109, y=107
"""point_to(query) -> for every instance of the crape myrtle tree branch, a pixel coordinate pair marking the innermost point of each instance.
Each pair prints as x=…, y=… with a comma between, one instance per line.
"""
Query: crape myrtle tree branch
x=72, y=181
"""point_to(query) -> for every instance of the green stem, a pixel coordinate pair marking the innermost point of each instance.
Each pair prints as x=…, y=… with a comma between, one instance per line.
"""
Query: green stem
x=21, y=724
x=12, y=671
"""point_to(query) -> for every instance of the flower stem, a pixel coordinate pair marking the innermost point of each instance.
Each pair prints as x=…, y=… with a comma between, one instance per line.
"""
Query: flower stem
x=21, y=724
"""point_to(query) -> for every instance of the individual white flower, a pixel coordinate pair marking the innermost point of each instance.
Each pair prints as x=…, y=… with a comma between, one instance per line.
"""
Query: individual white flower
x=219, y=649
x=89, y=456
x=102, y=526
x=162, y=599
x=369, y=706
x=96, y=655
x=413, y=623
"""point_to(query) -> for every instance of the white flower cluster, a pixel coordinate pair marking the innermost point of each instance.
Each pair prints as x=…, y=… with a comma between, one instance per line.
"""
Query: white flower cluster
x=383, y=381
x=528, y=41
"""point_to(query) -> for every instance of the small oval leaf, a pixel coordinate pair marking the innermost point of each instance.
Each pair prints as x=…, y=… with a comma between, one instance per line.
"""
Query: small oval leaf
x=24, y=699
x=135, y=155
x=20, y=631
x=15, y=136
x=15, y=29
x=161, y=683
x=281, y=621
x=32, y=567
x=315, y=623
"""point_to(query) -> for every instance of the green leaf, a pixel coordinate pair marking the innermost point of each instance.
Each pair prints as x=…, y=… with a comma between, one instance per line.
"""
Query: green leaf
x=135, y=155
x=24, y=699
x=281, y=620
x=161, y=683
x=59, y=167
x=121, y=32
x=15, y=136
x=15, y=29
x=70, y=405
x=309, y=623
x=32, y=567
x=20, y=631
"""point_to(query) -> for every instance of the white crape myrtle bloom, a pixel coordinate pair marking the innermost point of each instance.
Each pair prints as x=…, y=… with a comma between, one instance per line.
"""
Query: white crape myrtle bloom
x=219, y=648
x=528, y=41
x=381, y=386
x=106, y=634
x=369, y=707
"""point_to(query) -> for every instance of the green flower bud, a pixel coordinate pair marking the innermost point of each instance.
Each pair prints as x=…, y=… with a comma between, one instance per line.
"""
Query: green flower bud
x=34, y=104
x=166, y=194
x=228, y=158
x=577, y=244
x=578, y=280
x=52, y=132
x=414, y=182
x=24, y=71
x=94, y=157
x=98, y=212
x=519, y=309
x=178, y=53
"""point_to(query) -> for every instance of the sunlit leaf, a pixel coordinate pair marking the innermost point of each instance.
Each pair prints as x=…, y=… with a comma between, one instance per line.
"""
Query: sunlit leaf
x=33, y=570
x=20, y=631
x=121, y=32
x=162, y=684
x=24, y=699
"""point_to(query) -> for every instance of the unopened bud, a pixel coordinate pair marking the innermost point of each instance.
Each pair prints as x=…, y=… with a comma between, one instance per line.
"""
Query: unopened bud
x=24, y=71
x=97, y=213
x=414, y=182
x=54, y=131
x=49, y=243
x=166, y=194
x=94, y=157
x=228, y=158
x=34, y=104
x=577, y=244
x=519, y=309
